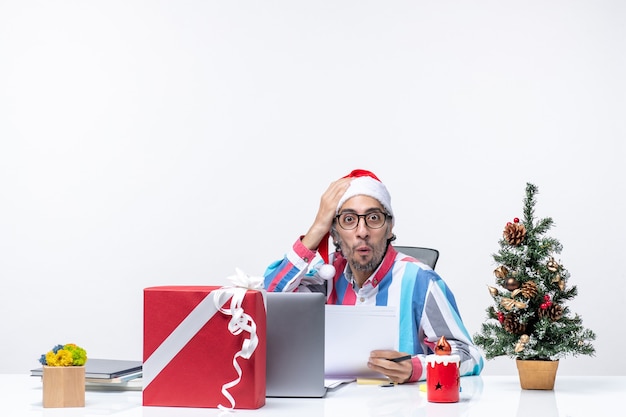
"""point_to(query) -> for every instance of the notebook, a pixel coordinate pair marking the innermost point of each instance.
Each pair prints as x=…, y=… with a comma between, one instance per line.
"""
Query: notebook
x=295, y=345
x=106, y=369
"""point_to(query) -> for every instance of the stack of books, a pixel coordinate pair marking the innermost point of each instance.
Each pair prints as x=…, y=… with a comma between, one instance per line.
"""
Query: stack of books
x=109, y=373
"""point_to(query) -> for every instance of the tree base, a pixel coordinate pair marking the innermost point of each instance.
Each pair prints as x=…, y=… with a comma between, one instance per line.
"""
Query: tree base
x=537, y=374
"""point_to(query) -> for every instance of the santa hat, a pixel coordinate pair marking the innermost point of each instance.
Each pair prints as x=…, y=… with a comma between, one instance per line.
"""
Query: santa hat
x=366, y=183
x=363, y=183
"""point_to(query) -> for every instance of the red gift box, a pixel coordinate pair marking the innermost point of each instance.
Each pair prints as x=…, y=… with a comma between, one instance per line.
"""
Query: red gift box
x=191, y=355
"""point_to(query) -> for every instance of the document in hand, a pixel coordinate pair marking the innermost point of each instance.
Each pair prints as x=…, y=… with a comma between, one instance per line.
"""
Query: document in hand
x=352, y=332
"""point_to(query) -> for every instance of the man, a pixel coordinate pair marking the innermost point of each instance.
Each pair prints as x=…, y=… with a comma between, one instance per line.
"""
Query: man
x=366, y=270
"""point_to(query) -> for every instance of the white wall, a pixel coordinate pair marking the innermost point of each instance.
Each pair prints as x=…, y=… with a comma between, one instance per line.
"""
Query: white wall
x=147, y=143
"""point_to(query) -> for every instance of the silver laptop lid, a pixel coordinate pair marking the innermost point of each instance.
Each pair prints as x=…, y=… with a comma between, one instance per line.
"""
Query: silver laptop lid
x=295, y=344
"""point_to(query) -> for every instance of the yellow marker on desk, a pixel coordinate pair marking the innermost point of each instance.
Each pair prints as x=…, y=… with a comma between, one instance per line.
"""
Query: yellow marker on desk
x=371, y=381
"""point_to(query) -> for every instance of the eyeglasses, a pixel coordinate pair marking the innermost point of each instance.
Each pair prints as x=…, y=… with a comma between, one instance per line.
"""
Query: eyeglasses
x=373, y=220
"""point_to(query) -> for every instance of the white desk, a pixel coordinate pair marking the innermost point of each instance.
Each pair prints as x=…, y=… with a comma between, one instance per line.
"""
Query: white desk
x=21, y=395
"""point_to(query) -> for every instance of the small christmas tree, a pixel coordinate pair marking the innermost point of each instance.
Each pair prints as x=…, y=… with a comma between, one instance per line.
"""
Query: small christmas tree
x=529, y=319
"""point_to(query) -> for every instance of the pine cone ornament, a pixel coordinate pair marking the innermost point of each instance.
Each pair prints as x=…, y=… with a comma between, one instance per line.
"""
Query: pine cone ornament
x=529, y=289
x=553, y=312
x=514, y=233
x=512, y=325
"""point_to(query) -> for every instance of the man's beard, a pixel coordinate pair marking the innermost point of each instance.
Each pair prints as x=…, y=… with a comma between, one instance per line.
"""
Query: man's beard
x=377, y=256
x=368, y=267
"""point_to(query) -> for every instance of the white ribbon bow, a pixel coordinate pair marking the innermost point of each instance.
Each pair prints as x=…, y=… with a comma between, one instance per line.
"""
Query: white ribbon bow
x=243, y=280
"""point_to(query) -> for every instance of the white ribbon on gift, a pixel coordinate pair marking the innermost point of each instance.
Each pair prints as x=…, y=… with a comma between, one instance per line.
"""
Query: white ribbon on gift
x=198, y=317
x=240, y=321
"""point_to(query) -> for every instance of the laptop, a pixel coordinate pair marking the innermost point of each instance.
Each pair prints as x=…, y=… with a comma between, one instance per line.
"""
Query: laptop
x=295, y=345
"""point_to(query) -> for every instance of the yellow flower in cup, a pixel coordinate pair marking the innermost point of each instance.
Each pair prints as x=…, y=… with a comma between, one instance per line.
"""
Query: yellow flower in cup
x=65, y=355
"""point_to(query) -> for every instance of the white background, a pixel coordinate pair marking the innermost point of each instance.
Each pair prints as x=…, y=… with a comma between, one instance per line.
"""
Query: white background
x=149, y=143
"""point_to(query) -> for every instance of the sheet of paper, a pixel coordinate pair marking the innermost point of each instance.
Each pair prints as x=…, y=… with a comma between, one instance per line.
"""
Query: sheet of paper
x=334, y=383
x=352, y=332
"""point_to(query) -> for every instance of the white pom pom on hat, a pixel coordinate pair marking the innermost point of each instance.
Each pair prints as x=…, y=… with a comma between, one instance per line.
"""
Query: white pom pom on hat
x=364, y=183
x=326, y=272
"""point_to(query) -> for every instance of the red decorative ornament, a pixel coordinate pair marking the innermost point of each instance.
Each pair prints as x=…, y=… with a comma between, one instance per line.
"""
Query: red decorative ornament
x=547, y=302
x=500, y=316
x=516, y=220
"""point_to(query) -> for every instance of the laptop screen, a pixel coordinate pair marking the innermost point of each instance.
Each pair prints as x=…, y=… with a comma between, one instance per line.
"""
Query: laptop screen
x=295, y=344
